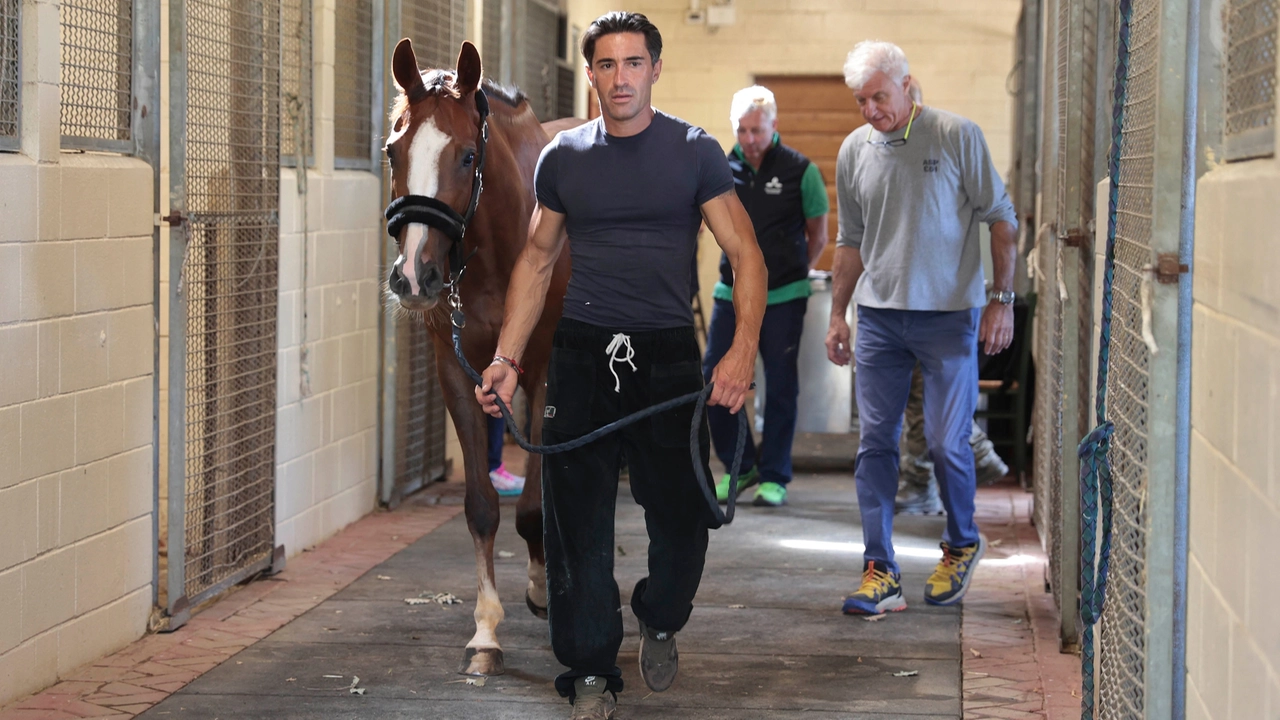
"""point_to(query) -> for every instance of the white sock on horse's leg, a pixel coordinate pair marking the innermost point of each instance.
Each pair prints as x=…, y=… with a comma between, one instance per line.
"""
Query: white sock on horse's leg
x=538, y=583
x=489, y=612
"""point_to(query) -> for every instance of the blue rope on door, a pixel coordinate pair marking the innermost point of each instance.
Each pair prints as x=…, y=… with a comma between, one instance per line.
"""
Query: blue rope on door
x=1094, y=450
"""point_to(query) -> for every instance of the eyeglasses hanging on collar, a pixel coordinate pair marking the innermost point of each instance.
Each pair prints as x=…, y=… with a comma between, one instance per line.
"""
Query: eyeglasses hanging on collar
x=896, y=142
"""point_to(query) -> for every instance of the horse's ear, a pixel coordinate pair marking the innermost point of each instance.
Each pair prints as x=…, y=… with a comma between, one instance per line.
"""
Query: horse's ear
x=469, y=68
x=404, y=67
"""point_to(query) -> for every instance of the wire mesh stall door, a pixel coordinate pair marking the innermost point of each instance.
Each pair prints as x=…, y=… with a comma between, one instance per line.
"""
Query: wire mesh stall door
x=224, y=149
x=1250, y=105
x=1047, y=414
x=537, y=70
x=10, y=80
x=1067, y=278
x=1135, y=641
x=97, y=74
x=419, y=420
x=437, y=29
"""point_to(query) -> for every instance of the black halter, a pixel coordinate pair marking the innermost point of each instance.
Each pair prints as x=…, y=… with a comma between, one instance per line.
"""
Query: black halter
x=439, y=215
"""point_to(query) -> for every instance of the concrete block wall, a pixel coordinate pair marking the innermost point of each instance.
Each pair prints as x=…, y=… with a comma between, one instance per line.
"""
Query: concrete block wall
x=327, y=382
x=77, y=363
x=960, y=50
x=77, y=359
x=1233, y=653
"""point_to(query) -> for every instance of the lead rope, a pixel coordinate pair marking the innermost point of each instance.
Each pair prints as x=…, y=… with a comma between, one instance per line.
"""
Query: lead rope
x=699, y=399
x=1094, y=450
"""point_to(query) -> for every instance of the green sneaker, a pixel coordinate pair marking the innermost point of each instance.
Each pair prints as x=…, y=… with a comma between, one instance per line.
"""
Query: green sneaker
x=770, y=494
x=745, y=480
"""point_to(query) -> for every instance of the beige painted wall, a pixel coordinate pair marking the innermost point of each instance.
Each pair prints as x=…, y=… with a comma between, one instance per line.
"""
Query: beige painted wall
x=1233, y=653
x=76, y=374
x=960, y=50
x=326, y=444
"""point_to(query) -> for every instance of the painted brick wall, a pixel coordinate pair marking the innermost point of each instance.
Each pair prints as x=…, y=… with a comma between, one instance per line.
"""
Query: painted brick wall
x=76, y=388
x=1233, y=653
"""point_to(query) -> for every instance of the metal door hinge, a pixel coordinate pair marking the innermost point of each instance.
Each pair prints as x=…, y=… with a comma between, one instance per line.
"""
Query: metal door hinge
x=174, y=219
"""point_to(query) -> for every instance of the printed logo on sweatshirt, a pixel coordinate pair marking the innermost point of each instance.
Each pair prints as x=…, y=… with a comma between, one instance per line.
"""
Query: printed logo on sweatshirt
x=931, y=166
x=773, y=187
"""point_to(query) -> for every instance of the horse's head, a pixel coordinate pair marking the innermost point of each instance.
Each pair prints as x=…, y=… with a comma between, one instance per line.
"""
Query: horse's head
x=433, y=151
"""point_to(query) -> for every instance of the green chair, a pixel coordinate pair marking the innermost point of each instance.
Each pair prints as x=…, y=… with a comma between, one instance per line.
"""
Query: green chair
x=1015, y=387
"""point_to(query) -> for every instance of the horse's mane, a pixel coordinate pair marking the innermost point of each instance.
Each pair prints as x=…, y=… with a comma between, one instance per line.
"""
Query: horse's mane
x=441, y=82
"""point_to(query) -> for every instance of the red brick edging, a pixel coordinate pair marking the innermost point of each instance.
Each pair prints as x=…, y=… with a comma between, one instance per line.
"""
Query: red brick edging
x=1012, y=667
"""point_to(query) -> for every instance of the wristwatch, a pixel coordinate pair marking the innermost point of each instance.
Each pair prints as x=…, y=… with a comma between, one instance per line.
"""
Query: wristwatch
x=1004, y=297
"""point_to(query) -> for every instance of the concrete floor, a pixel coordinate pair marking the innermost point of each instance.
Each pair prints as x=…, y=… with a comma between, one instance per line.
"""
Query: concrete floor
x=788, y=653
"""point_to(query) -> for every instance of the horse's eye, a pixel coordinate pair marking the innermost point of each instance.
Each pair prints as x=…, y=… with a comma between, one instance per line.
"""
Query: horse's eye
x=468, y=158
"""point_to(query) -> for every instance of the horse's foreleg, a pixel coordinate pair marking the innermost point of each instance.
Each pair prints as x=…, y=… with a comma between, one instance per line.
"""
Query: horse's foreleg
x=483, y=654
x=529, y=507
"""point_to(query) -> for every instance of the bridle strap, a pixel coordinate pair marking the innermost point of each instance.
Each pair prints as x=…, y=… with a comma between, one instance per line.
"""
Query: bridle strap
x=436, y=214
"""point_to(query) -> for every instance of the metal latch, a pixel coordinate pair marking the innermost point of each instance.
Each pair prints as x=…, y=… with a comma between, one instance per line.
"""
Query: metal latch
x=1168, y=268
x=174, y=219
x=1077, y=238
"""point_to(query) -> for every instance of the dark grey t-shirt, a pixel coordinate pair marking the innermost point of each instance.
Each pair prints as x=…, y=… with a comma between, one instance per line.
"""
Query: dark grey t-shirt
x=632, y=209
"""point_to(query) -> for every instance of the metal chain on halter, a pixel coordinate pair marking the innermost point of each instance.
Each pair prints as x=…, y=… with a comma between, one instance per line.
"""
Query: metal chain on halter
x=1095, y=449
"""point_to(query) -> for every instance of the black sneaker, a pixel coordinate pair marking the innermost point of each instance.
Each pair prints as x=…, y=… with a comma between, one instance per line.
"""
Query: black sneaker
x=659, y=659
x=592, y=700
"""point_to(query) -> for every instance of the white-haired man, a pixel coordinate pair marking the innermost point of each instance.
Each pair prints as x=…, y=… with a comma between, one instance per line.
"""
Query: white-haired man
x=913, y=184
x=785, y=196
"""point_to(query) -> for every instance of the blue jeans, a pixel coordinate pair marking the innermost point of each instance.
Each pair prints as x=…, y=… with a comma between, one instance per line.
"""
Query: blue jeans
x=889, y=343
x=779, y=349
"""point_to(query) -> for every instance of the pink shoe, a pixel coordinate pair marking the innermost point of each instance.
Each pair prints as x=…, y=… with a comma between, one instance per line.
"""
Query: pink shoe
x=505, y=483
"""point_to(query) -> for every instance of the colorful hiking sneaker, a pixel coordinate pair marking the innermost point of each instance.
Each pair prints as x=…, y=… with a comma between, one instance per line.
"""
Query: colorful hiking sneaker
x=881, y=592
x=745, y=480
x=659, y=659
x=591, y=699
x=950, y=580
x=505, y=483
x=770, y=494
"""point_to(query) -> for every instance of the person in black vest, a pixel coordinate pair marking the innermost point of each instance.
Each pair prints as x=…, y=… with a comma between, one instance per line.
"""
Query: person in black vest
x=784, y=194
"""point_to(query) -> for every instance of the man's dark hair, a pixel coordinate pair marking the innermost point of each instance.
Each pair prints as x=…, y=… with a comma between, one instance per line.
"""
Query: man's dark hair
x=621, y=21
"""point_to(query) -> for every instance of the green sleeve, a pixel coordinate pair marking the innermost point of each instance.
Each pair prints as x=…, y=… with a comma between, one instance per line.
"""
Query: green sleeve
x=813, y=193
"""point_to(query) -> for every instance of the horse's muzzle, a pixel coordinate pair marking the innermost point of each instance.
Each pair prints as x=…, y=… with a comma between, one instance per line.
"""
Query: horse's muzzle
x=431, y=283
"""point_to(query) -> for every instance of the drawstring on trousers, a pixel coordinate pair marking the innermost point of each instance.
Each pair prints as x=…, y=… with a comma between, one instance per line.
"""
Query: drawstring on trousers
x=620, y=342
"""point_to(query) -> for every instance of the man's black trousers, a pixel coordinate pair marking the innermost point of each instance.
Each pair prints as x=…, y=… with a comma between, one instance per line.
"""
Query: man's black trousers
x=589, y=386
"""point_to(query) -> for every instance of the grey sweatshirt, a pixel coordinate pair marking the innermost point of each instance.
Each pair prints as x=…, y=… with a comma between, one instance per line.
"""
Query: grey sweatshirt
x=914, y=211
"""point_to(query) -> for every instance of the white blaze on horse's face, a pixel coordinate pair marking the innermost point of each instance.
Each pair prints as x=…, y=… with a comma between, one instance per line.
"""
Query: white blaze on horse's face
x=424, y=179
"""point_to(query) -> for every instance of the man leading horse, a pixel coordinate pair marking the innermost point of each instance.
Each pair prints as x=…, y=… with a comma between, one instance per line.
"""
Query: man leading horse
x=631, y=189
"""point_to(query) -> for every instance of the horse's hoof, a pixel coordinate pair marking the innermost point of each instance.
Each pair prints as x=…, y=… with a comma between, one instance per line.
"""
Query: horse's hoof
x=482, y=662
x=534, y=608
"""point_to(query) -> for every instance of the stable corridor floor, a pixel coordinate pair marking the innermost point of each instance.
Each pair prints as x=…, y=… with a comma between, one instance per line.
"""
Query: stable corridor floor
x=766, y=639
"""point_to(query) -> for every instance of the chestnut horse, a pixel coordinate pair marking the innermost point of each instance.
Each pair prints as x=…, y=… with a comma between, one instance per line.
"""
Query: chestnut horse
x=439, y=156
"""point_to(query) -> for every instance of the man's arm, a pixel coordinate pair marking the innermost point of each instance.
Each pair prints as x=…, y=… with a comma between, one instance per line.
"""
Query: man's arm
x=526, y=296
x=815, y=229
x=848, y=266
x=844, y=278
x=995, y=332
x=731, y=226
